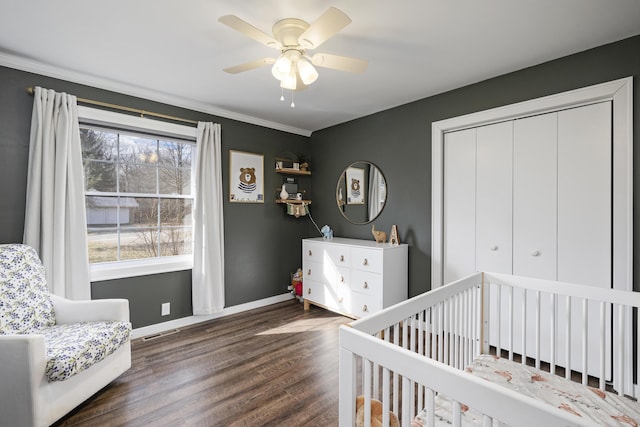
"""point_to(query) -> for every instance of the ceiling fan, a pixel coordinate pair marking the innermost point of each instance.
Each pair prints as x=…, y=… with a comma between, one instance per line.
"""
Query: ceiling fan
x=293, y=37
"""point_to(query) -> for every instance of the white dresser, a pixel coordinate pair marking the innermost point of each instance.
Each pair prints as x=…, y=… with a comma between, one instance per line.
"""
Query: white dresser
x=354, y=277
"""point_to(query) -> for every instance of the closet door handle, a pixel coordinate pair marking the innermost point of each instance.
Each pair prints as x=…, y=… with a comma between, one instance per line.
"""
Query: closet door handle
x=535, y=253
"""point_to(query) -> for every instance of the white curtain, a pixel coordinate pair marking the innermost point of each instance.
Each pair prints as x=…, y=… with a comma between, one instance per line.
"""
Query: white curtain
x=207, y=279
x=55, y=218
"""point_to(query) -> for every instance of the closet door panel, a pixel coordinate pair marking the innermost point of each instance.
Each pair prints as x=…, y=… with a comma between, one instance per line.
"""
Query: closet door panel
x=494, y=173
x=459, y=204
x=584, y=195
x=535, y=196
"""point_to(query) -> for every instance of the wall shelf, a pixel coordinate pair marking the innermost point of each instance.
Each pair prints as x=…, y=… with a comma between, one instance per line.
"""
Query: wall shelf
x=291, y=171
x=294, y=201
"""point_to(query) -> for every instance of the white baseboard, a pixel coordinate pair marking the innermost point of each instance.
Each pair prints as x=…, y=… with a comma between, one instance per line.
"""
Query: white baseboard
x=192, y=320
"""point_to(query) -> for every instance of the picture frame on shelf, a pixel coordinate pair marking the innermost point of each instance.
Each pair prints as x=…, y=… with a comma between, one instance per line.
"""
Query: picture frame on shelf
x=246, y=177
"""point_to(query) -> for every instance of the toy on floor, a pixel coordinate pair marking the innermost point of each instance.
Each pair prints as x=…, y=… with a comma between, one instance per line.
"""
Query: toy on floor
x=376, y=414
x=296, y=284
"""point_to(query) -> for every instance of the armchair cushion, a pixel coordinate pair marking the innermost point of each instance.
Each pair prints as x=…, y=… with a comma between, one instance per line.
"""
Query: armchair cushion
x=74, y=347
x=25, y=306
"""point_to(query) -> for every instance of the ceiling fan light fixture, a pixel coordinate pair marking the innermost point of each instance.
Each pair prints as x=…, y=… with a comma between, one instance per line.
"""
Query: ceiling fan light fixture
x=308, y=73
x=290, y=81
x=281, y=68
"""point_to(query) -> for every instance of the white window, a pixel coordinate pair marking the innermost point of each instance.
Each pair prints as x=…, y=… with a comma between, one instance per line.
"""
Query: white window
x=139, y=194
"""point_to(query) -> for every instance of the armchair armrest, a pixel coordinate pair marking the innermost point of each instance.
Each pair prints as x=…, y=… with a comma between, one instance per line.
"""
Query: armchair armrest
x=22, y=367
x=69, y=311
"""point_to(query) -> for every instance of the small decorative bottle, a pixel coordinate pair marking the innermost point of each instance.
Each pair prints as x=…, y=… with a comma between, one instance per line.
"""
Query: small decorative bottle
x=283, y=194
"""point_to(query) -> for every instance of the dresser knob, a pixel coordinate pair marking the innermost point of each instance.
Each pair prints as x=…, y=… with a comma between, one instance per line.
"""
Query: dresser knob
x=535, y=253
x=342, y=279
x=309, y=272
x=310, y=253
x=366, y=262
x=493, y=247
x=364, y=308
x=366, y=285
x=308, y=290
x=340, y=300
x=341, y=258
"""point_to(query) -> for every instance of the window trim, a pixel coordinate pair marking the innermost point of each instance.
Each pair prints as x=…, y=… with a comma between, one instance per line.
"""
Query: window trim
x=133, y=268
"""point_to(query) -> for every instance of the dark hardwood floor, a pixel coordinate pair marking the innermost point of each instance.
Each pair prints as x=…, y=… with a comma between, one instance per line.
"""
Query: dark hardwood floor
x=276, y=365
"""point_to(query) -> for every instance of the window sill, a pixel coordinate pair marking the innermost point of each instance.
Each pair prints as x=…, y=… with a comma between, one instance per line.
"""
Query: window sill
x=124, y=269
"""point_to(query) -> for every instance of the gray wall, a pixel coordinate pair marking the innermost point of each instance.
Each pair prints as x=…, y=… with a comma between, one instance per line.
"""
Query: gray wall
x=399, y=142
x=262, y=244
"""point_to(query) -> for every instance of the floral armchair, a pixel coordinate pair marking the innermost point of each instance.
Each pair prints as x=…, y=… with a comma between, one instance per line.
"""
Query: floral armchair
x=54, y=353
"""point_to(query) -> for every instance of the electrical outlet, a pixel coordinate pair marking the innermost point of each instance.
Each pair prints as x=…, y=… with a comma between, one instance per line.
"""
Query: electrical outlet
x=166, y=309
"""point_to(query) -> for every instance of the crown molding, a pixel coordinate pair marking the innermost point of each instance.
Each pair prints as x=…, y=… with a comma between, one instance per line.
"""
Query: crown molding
x=32, y=66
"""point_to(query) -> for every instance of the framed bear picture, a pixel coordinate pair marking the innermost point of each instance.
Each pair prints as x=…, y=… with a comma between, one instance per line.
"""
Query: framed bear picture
x=246, y=177
x=355, y=186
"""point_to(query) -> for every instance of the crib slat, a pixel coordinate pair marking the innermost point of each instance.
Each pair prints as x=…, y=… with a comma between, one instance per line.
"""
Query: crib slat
x=510, y=326
x=603, y=310
x=499, y=321
x=385, y=397
x=552, y=335
x=406, y=403
x=396, y=397
x=538, y=316
x=567, y=344
x=431, y=407
x=585, y=341
x=524, y=327
x=456, y=413
x=366, y=384
x=620, y=353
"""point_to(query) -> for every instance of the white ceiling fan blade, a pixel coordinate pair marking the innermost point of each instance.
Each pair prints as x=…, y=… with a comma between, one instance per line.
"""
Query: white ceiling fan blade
x=332, y=21
x=249, y=30
x=342, y=63
x=250, y=65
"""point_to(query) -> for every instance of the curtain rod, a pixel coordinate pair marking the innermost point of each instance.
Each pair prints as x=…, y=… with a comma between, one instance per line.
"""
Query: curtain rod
x=142, y=113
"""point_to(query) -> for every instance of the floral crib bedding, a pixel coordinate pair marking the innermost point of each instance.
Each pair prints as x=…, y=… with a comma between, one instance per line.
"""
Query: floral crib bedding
x=589, y=403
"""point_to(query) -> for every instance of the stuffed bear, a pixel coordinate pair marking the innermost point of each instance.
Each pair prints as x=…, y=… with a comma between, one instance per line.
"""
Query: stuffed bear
x=247, y=180
x=376, y=414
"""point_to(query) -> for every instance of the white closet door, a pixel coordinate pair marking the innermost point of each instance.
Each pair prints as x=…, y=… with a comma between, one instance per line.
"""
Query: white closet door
x=584, y=218
x=584, y=195
x=459, y=205
x=494, y=197
x=535, y=196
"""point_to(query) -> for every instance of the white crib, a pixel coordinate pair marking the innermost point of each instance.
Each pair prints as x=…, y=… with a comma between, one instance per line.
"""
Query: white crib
x=412, y=356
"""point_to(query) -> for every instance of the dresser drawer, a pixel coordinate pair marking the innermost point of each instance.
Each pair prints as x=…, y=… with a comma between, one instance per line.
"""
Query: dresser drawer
x=335, y=298
x=363, y=305
x=366, y=282
x=338, y=256
x=366, y=259
x=312, y=251
x=312, y=271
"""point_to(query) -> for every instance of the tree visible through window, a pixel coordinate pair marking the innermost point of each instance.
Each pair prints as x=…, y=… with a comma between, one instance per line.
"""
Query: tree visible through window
x=138, y=193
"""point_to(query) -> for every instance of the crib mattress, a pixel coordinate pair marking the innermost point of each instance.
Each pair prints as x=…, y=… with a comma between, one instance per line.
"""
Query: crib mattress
x=589, y=403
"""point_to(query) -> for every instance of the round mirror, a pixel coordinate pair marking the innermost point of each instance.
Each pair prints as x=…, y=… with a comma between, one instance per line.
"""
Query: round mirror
x=361, y=192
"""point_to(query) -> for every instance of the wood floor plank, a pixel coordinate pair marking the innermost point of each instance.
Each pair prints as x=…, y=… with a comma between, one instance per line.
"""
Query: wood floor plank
x=276, y=365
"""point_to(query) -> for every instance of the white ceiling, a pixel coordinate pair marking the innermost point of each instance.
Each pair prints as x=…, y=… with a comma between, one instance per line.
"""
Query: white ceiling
x=174, y=51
